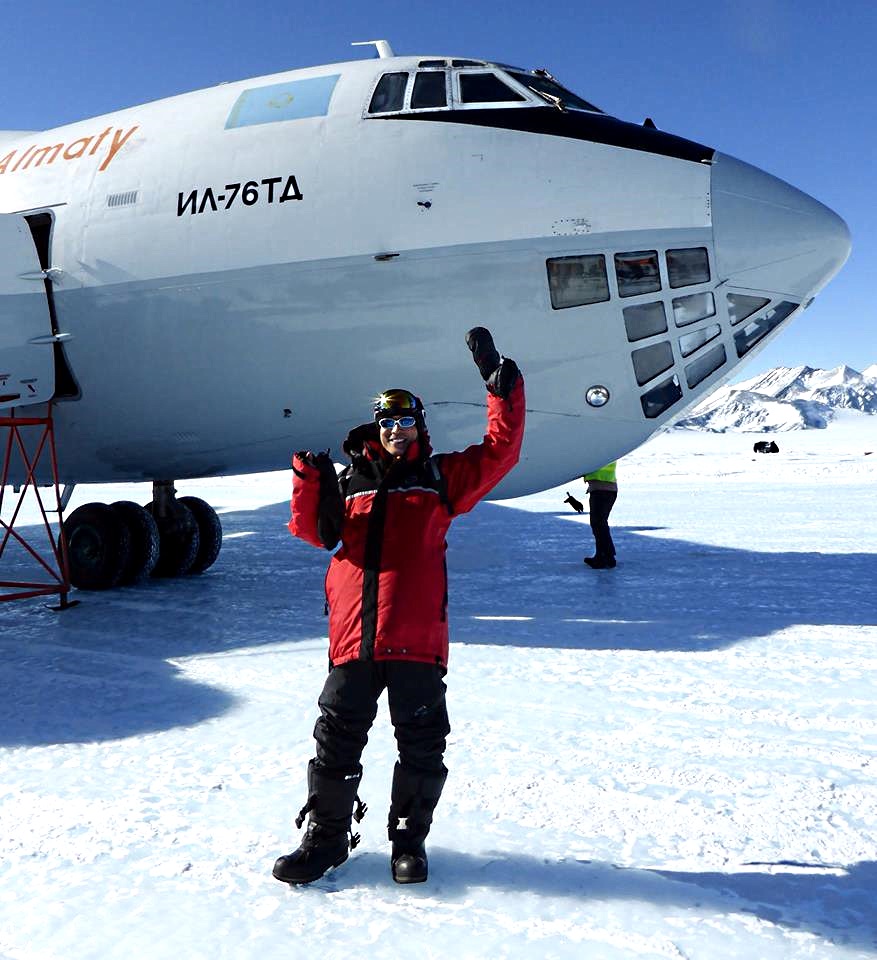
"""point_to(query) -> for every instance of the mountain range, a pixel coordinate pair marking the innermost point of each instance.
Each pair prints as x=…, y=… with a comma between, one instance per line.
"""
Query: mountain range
x=786, y=398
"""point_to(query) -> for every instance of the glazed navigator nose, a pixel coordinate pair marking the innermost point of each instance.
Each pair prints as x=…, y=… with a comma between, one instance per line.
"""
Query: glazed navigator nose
x=770, y=236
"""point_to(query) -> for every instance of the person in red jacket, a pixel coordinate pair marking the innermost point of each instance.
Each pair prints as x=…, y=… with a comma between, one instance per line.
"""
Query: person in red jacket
x=386, y=591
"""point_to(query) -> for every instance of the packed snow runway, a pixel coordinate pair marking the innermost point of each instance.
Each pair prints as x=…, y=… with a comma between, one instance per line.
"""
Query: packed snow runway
x=672, y=759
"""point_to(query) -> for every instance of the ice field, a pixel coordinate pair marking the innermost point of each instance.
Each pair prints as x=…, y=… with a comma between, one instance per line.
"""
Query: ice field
x=676, y=758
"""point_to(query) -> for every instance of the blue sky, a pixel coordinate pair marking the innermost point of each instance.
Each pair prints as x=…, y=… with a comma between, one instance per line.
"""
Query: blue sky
x=788, y=86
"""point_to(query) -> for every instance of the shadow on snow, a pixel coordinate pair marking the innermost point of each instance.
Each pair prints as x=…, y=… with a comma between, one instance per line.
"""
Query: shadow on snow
x=100, y=670
x=839, y=907
x=664, y=595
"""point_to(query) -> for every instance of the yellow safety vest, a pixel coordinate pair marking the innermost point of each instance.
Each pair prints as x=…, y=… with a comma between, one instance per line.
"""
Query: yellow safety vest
x=605, y=474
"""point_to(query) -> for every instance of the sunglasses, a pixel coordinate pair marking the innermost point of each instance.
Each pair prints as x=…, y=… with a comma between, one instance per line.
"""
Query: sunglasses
x=387, y=423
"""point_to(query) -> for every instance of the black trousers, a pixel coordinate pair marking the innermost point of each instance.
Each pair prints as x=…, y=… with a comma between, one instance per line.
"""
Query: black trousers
x=600, y=504
x=349, y=704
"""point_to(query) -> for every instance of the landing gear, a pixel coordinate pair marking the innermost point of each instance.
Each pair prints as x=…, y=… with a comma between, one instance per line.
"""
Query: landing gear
x=125, y=543
x=209, y=533
x=98, y=545
x=144, y=542
x=177, y=530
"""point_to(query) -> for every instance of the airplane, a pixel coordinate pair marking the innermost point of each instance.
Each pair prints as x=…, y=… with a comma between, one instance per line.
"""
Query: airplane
x=201, y=285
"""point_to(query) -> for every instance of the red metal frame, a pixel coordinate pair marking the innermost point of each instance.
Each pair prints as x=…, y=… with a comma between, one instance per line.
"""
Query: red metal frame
x=56, y=565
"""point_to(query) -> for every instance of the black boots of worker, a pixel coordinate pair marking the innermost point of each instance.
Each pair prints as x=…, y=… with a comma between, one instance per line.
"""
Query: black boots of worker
x=328, y=839
x=414, y=798
x=601, y=561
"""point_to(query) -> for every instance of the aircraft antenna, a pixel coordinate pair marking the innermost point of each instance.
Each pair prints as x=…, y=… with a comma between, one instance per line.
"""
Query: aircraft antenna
x=382, y=46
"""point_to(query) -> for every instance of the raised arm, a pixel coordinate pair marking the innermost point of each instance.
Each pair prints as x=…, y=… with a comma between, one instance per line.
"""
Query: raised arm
x=317, y=509
x=475, y=471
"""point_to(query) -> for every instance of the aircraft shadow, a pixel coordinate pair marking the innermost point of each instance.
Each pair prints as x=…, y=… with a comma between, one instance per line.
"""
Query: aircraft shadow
x=839, y=908
x=77, y=673
x=664, y=595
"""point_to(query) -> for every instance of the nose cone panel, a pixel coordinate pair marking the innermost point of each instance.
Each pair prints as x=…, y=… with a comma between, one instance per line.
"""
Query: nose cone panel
x=770, y=236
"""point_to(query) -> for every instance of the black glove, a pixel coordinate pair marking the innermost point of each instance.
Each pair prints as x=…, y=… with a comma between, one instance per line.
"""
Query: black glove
x=330, y=513
x=311, y=459
x=575, y=504
x=480, y=341
x=499, y=373
x=323, y=462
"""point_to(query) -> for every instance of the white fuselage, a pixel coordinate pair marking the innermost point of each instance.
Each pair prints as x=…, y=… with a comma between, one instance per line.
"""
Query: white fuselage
x=213, y=329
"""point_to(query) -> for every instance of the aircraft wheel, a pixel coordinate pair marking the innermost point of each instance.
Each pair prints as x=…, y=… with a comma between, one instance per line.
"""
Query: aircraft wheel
x=209, y=533
x=98, y=544
x=143, y=534
x=178, y=540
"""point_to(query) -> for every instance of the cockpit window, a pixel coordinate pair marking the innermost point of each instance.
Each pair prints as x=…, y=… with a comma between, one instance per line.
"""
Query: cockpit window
x=549, y=89
x=485, y=88
x=440, y=84
x=389, y=95
x=430, y=90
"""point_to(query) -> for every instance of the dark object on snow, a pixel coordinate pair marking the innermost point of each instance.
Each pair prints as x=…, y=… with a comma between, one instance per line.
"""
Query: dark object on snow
x=577, y=505
x=763, y=446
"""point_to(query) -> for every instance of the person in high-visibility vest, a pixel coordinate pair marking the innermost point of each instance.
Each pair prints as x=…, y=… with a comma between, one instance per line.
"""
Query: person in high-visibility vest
x=602, y=494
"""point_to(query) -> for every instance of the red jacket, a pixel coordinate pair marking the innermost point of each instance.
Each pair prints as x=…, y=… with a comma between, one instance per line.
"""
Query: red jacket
x=387, y=586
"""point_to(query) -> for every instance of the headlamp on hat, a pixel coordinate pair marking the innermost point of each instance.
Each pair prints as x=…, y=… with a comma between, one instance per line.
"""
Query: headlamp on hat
x=397, y=402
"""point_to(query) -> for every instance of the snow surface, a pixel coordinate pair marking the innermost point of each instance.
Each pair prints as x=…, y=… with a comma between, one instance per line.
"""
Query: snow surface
x=673, y=759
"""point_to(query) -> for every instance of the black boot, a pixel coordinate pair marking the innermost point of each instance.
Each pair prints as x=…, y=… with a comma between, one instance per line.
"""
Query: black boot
x=319, y=852
x=328, y=840
x=600, y=562
x=409, y=866
x=414, y=798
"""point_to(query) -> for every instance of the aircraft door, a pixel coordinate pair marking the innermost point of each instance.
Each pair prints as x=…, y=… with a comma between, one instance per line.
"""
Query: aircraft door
x=27, y=364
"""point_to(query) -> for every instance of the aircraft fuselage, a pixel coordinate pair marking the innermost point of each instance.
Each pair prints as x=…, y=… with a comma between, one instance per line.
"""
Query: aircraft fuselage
x=236, y=272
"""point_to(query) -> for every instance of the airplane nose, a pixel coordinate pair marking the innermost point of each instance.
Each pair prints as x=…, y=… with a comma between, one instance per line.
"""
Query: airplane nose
x=771, y=237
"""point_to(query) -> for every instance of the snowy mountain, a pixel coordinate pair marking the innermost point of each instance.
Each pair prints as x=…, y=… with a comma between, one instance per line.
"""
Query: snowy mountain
x=786, y=398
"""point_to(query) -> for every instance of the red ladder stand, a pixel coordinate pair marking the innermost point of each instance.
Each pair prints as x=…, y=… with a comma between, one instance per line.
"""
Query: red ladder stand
x=41, y=434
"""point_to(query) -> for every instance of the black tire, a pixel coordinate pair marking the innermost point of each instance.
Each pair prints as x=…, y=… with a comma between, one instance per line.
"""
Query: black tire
x=178, y=541
x=98, y=545
x=209, y=533
x=143, y=534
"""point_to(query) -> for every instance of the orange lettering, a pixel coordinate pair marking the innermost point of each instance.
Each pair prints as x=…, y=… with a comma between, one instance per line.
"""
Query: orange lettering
x=70, y=155
x=37, y=156
x=99, y=141
x=43, y=152
x=21, y=158
x=116, y=146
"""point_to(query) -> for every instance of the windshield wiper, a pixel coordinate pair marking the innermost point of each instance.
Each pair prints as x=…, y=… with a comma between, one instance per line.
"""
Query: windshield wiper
x=550, y=98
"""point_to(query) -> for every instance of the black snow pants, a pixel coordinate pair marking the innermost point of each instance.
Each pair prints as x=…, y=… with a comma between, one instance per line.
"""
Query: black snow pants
x=600, y=504
x=348, y=706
